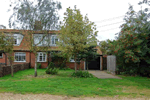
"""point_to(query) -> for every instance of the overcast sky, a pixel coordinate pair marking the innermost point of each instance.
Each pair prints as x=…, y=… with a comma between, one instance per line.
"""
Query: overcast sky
x=107, y=14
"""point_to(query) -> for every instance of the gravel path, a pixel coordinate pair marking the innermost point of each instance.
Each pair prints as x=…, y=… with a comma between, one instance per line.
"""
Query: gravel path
x=11, y=96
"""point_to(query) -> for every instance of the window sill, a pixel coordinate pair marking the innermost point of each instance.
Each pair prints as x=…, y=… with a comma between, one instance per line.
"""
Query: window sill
x=16, y=44
x=19, y=61
x=74, y=61
x=41, y=61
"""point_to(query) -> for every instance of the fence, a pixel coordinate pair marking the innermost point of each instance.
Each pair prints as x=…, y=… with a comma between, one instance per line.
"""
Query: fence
x=111, y=63
x=5, y=70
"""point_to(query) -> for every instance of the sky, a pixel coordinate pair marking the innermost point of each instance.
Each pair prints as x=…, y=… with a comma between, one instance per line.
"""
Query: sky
x=106, y=14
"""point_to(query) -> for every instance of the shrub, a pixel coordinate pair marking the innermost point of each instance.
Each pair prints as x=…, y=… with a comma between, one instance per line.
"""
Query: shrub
x=66, y=68
x=51, y=65
x=62, y=66
x=38, y=66
x=80, y=73
x=51, y=69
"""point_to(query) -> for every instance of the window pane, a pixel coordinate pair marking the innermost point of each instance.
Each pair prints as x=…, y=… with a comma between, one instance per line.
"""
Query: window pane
x=0, y=54
x=53, y=40
x=20, y=58
x=16, y=58
x=40, y=58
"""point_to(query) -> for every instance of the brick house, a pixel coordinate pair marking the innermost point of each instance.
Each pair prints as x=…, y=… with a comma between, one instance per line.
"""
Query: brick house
x=22, y=52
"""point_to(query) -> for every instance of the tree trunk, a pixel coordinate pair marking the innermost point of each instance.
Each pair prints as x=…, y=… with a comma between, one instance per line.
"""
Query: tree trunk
x=75, y=64
x=87, y=66
x=12, y=70
x=10, y=62
x=35, y=67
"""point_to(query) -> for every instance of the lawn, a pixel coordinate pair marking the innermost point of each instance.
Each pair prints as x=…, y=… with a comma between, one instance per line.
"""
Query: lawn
x=64, y=84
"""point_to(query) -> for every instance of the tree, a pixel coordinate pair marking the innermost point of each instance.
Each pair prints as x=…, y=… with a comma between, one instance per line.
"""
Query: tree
x=106, y=47
x=6, y=44
x=2, y=27
x=132, y=45
x=77, y=33
x=38, y=16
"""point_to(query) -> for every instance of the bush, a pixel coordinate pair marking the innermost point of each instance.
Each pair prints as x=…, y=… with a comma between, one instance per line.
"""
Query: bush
x=51, y=65
x=51, y=69
x=38, y=66
x=80, y=73
x=62, y=66
x=66, y=68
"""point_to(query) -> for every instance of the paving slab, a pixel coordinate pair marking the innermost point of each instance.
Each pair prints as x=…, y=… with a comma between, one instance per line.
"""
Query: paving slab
x=103, y=74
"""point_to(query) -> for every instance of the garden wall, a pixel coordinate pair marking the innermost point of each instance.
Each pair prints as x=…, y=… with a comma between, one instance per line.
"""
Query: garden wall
x=5, y=70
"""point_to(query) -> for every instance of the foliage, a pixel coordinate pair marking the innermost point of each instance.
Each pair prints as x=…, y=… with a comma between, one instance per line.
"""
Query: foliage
x=88, y=54
x=51, y=69
x=39, y=66
x=132, y=47
x=82, y=74
x=106, y=47
x=77, y=33
x=6, y=45
x=36, y=16
x=60, y=58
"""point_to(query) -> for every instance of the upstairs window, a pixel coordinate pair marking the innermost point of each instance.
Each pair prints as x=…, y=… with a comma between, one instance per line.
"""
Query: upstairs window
x=38, y=40
x=15, y=40
x=9, y=39
x=54, y=39
x=1, y=55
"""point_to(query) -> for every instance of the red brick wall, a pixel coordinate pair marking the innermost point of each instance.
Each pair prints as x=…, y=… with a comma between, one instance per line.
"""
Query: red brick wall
x=43, y=64
x=71, y=65
x=2, y=60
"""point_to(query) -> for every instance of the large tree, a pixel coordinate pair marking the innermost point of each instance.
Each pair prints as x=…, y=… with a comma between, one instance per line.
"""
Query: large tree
x=132, y=46
x=40, y=15
x=77, y=33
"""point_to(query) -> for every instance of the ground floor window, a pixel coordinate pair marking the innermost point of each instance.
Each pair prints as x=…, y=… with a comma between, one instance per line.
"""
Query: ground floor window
x=20, y=57
x=72, y=59
x=1, y=55
x=41, y=57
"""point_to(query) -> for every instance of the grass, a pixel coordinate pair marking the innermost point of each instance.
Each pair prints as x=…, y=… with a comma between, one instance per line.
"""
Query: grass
x=63, y=84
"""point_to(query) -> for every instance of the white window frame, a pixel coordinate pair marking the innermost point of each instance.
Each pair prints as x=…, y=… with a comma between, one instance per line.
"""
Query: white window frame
x=15, y=38
x=38, y=54
x=54, y=40
x=1, y=56
x=19, y=53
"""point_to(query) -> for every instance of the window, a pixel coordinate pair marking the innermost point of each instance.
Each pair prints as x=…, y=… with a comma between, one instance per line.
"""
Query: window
x=1, y=55
x=14, y=39
x=20, y=57
x=54, y=39
x=72, y=59
x=41, y=57
x=38, y=38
